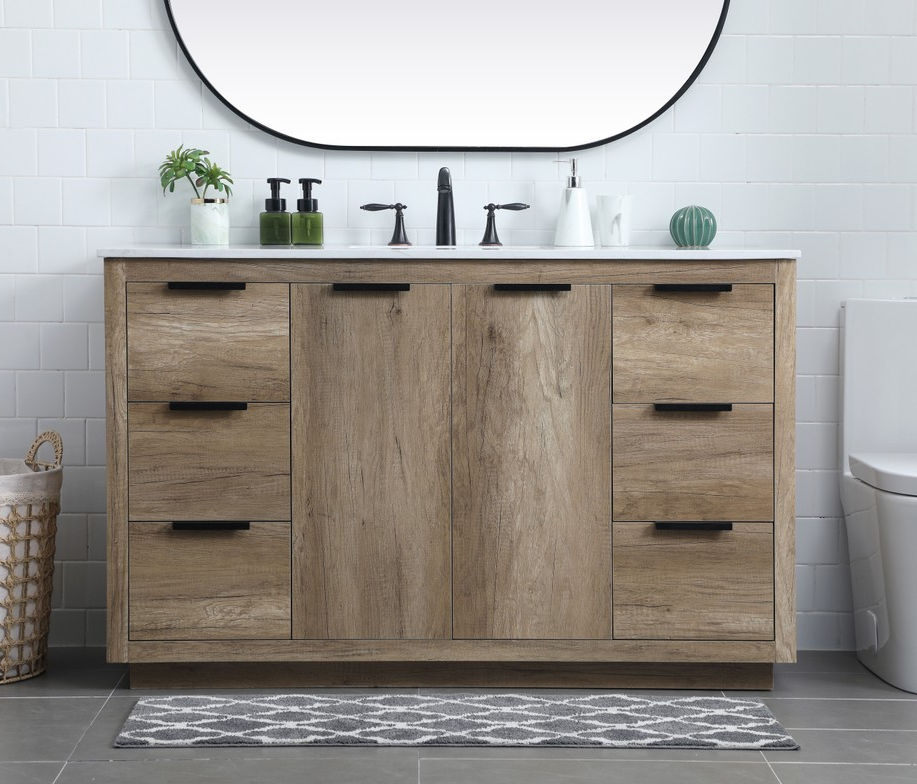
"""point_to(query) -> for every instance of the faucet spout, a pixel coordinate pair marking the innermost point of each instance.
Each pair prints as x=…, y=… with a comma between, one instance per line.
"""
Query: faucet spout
x=445, y=209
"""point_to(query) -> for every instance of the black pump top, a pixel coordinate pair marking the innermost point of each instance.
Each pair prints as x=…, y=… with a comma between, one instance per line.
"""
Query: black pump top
x=275, y=203
x=307, y=203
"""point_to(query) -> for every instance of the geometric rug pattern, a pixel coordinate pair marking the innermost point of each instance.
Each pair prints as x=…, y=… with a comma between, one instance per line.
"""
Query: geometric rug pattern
x=589, y=719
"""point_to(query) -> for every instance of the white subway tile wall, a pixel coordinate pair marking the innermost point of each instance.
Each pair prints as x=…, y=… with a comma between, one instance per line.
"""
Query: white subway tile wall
x=801, y=132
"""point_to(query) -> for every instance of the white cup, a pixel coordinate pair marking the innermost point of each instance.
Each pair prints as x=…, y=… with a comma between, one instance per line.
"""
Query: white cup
x=613, y=215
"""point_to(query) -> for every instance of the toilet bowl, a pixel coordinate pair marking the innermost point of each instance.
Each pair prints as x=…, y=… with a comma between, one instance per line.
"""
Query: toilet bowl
x=878, y=481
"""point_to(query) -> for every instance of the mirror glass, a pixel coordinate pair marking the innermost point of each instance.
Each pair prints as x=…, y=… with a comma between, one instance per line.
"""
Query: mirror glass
x=480, y=74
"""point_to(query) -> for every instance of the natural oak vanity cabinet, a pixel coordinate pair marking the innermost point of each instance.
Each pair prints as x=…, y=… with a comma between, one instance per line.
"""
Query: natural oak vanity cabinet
x=574, y=468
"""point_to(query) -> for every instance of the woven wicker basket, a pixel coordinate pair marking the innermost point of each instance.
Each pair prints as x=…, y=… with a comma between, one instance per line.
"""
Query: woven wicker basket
x=29, y=505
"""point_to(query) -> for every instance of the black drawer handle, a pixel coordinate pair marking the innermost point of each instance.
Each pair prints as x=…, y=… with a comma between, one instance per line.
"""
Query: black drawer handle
x=205, y=405
x=210, y=525
x=370, y=286
x=694, y=526
x=205, y=285
x=708, y=407
x=713, y=287
x=531, y=287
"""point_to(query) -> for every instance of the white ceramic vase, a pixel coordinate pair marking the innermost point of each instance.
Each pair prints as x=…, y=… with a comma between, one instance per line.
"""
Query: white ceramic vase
x=209, y=222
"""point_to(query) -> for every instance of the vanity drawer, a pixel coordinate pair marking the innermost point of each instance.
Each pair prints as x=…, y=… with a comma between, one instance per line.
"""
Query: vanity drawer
x=209, y=465
x=693, y=345
x=693, y=584
x=209, y=584
x=693, y=465
x=208, y=344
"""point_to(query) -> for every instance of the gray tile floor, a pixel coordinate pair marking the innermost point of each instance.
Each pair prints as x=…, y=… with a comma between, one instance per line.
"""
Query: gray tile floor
x=853, y=729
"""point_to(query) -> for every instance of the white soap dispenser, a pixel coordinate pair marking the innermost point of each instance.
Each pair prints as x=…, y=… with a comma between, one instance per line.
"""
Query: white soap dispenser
x=574, y=223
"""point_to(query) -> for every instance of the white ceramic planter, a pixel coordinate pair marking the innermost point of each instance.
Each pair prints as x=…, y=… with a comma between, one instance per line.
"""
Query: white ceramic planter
x=209, y=222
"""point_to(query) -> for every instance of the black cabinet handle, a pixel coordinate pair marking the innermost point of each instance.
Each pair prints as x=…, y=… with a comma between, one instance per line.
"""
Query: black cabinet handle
x=692, y=406
x=692, y=287
x=205, y=285
x=205, y=405
x=694, y=526
x=210, y=525
x=370, y=286
x=531, y=287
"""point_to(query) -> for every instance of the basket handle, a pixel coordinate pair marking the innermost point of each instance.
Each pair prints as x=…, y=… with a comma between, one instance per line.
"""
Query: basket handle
x=49, y=436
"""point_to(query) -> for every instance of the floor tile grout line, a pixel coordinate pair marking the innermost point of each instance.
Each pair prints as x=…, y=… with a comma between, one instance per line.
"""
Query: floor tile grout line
x=91, y=722
x=60, y=772
x=847, y=729
x=847, y=764
x=610, y=761
x=56, y=697
x=771, y=768
x=841, y=699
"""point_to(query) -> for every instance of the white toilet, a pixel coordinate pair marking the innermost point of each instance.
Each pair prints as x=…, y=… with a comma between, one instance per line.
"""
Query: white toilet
x=878, y=463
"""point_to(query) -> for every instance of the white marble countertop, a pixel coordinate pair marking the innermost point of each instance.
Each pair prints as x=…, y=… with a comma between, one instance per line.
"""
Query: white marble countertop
x=427, y=252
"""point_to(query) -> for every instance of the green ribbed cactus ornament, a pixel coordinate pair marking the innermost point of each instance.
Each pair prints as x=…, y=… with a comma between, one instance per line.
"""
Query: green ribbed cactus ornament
x=693, y=227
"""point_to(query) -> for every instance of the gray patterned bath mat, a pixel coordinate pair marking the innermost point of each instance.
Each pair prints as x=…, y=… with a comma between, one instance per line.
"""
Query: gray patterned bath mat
x=454, y=719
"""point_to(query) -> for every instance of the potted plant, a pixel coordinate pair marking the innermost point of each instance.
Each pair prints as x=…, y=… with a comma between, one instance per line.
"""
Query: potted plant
x=209, y=216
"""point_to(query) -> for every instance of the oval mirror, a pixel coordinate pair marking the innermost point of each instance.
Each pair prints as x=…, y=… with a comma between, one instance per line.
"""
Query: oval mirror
x=416, y=75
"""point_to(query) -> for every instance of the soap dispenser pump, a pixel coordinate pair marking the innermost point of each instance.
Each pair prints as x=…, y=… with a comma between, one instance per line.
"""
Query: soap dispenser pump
x=308, y=221
x=275, y=220
x=574, y=223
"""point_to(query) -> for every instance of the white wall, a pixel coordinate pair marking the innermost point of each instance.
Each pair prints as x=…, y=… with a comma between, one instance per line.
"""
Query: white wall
x=799, y=134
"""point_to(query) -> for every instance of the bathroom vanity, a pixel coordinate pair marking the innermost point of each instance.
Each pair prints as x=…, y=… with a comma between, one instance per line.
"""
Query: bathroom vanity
x=462, y=467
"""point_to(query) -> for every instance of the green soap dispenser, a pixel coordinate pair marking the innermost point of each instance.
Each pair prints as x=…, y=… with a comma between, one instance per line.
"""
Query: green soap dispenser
x=275, y=220
x=308, y=221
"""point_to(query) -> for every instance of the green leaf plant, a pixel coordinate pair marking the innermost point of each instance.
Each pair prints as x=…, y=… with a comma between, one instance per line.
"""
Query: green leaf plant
x=193, y=165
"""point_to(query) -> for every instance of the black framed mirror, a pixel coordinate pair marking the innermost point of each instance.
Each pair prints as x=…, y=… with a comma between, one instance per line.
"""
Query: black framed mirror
x=482, y=75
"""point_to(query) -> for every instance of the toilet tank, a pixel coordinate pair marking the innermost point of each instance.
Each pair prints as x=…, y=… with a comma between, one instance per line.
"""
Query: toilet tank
x=878, y=365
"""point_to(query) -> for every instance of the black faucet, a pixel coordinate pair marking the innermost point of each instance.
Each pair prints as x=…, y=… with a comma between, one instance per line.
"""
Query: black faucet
x=445, y=209
x=399, y=237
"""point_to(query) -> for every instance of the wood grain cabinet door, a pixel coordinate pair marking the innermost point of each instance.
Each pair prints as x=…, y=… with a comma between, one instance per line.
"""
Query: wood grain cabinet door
x=209, y=464
x=674, y=465
x=371, y=487
x=212, y=583
x=531, y=463
x=693, y=584
x=191, y=342
x=690, y=342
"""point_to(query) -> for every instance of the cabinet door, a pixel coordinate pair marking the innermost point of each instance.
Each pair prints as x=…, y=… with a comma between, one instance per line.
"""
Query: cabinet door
x=693, y=465
x=694, y=584
x=690, y=342
x=531, y=463
x=191, y=342
x=209, y=465
x=211, y=583
x=371, y=538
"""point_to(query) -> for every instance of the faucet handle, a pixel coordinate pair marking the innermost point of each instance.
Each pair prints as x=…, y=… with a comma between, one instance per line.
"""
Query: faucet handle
x=377, y=207
x=399, y=236
x=515, y=205
x=490, y=232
